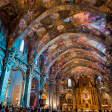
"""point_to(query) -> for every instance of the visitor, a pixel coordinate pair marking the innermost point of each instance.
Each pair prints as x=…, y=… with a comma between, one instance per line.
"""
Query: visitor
x=3, y=109
x=0, y=106
x=20, y=109
x=11, y=109
x=35, y=110
x=6, y=109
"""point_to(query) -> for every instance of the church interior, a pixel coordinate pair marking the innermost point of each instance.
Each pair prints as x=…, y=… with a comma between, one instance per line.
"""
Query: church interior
x=56, y=55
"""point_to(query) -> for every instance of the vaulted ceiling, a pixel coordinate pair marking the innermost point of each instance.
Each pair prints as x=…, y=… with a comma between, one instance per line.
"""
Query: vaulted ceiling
x=67, y=37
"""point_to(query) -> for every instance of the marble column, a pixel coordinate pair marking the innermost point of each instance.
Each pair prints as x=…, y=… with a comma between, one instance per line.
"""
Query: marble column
x=49, y=97
x=56, y=98
x=3, y=83
x=52, y=98
x=23, y=87
x=27, y=90
x=2, y=55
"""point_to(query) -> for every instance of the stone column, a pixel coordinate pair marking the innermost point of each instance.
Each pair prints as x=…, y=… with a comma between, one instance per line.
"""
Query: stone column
x=56, y=97
x=23, y=87
x=6, y=96
x=4, y=82
x=2, y=55
x=49, y=96
x=27, y=89
x=40, y=89
x=39, y=94
x=52, y=97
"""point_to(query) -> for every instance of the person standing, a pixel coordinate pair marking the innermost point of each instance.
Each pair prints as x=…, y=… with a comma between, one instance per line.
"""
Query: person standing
x=0, y=106
x=3, y=109
x=7, y=109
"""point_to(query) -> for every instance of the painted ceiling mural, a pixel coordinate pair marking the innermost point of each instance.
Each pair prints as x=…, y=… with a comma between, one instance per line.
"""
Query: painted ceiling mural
x=60, y=46
x=91, y=21
x=47, y=37
x=51, y=18
x=4, y=2
x=54, y=24
x=60, y=37
x=77, y=62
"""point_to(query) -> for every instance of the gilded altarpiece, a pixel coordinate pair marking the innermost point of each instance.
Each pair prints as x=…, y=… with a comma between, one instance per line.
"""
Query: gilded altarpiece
x=86, y=96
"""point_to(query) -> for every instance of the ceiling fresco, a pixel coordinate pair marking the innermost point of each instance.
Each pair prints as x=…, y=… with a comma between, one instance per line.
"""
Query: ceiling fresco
x=77, y=62
x=91, y=21
x=59, y=45
x=34, y=26
x=64, y=38
x=4, y=2
x=77, y=72
x=55, y=34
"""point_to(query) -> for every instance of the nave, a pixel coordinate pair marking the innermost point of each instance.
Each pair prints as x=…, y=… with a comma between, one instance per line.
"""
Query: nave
x=56, y=55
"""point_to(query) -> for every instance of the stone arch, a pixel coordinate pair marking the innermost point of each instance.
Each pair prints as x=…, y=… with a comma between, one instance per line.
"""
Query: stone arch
x=56, y=9
x=15, y=87
x=70, y=35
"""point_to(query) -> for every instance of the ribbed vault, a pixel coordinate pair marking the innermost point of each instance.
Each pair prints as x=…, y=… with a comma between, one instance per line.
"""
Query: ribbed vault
x=59, y=35
x=53, y=41
x=54, y=17
x=60, y=44
x=67, y=43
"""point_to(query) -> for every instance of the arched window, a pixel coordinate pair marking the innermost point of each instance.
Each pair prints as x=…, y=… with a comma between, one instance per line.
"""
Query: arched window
x=22, y=46
x=99, y=79
x=69, y=83
x=36, y=62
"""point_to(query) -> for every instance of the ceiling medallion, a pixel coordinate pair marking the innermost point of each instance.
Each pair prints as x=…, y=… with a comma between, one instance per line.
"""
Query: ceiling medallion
x=55, y=16
x=48, y=3
x=60, y=27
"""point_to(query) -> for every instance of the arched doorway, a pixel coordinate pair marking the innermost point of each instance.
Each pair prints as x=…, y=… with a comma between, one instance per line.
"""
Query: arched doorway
x=14, y=88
